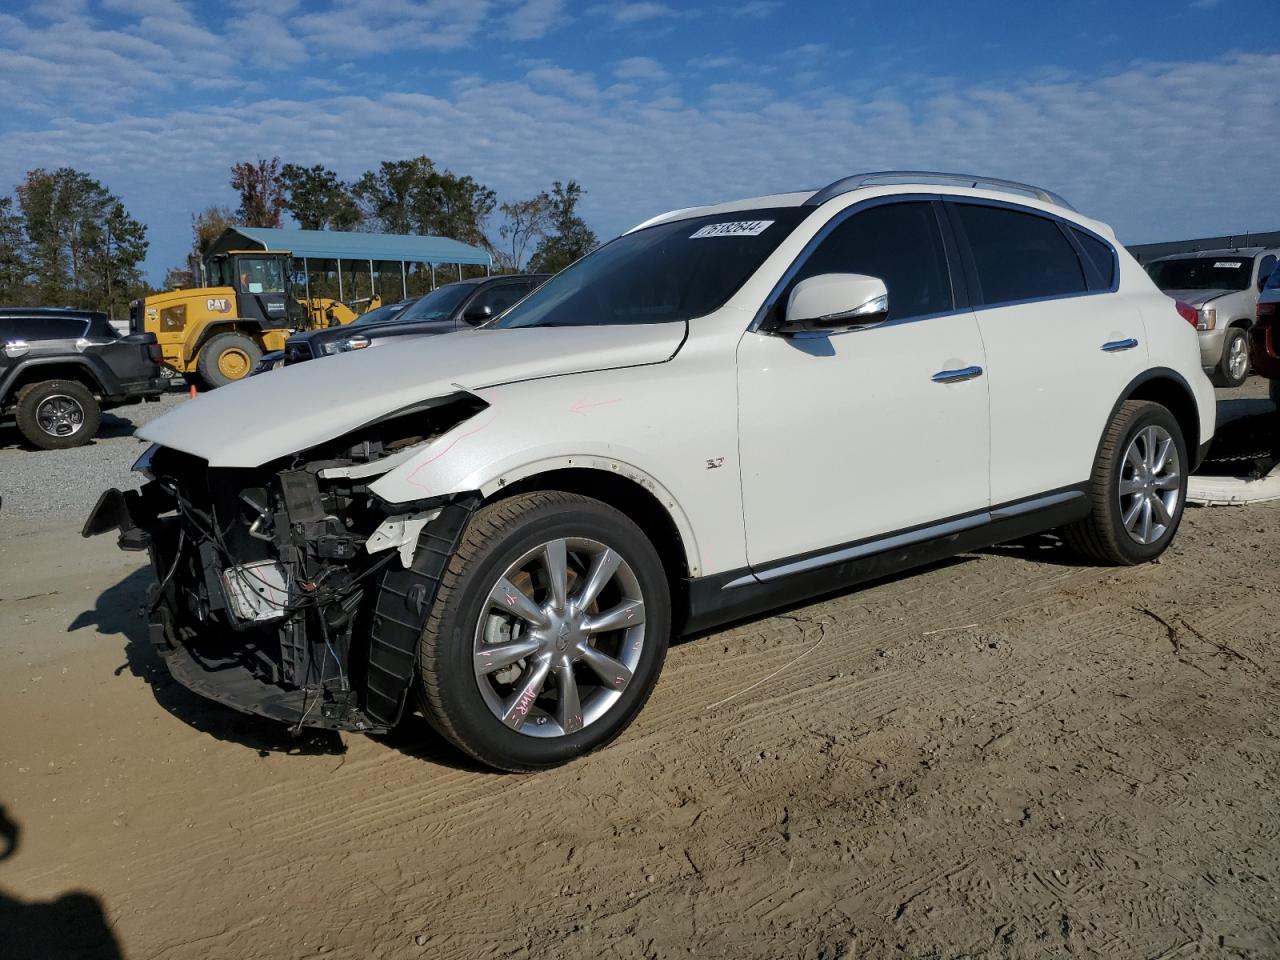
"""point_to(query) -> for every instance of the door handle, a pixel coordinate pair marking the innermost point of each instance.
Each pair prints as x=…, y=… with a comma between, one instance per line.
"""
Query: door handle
x=16, y=348
x=956, y=376
x=1115, y=346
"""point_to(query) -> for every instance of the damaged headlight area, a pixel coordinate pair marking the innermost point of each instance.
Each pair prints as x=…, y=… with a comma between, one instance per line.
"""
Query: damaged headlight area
x=291, y=590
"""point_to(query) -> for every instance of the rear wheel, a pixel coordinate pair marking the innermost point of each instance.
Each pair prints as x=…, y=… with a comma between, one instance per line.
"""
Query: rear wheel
x=548, y=633
x=57, y=414
x=1138, y=488
x=1233, y=368
x=228, y=357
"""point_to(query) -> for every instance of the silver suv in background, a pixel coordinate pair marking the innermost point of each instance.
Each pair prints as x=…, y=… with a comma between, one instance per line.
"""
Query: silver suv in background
x=1223, y=286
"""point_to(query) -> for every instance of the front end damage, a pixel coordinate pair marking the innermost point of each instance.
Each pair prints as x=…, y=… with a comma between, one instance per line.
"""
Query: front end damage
x=291, y=590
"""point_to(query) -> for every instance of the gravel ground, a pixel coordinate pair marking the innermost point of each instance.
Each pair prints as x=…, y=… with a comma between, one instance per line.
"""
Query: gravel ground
x=49, y=484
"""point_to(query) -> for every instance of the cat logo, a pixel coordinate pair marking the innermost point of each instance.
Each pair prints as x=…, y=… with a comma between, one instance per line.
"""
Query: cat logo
x=218, y=305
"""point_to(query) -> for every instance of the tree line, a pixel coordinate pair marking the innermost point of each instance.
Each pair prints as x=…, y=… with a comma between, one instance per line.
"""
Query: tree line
x=543, y=233
x=67, y=240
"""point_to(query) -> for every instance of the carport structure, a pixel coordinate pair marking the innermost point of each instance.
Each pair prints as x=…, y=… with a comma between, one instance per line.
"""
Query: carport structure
x=357, y=250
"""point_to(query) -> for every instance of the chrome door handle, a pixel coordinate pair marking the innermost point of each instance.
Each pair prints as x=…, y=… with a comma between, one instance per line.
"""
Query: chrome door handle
x=955, y=376
x=1115, y=346
x=16, y=348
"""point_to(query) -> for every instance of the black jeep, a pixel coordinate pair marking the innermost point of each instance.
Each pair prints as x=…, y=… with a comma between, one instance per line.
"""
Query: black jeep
x=59, y=369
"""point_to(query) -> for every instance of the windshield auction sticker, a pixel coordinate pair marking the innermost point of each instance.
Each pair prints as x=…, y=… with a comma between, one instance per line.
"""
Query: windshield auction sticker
x=1227, y=264
x=738, y=228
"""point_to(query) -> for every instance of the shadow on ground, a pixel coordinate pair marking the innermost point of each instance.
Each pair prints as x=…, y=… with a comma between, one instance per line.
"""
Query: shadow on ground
x=72, y=927
x=119, y=611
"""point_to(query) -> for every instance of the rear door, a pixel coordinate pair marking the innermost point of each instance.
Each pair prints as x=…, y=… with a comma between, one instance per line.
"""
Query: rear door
x=1062, y=344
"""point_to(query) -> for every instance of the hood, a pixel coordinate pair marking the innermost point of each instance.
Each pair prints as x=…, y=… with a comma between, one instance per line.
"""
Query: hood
x=1198, y=298
x=259, y=419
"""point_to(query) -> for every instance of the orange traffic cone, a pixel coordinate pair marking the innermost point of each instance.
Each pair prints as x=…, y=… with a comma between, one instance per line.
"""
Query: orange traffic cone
x=193, y=391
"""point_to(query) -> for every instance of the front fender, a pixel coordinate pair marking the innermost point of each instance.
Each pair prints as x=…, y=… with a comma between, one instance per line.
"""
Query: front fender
x=669, y=427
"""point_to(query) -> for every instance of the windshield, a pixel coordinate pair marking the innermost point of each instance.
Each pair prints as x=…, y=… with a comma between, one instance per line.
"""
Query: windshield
x=379, y=315
x=261, y=276
x=1227, y=272
x=672, y=271
x=438, y=304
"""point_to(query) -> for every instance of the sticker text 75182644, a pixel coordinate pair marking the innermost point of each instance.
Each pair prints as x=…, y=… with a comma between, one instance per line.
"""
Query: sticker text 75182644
x=737, y=228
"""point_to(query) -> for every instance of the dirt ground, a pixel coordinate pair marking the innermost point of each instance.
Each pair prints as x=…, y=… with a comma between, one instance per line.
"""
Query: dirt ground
x=1006, y=755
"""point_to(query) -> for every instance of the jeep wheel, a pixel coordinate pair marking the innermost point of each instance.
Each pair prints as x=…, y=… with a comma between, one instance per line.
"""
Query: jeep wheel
x=548, y=632
x=1138, y=488
x=57, y=414
x=1233, y=368
x=226, y=358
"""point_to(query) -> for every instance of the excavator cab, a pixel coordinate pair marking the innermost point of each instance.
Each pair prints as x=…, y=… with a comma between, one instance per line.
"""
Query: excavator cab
x=261, y=282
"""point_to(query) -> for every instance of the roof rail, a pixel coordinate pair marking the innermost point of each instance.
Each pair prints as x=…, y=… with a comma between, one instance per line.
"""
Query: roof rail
x=859, y=180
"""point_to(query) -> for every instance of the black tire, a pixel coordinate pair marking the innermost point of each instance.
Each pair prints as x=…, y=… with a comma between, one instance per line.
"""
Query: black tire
x=213, y=371
x=1102, y=536
x=1235, y=339
x=76, y=423
x=496, y=537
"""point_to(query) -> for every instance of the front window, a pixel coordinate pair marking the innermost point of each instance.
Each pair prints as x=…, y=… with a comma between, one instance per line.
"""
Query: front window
x=439, y=304
x=261, y=275
x=1225, y=272
x=672, y=271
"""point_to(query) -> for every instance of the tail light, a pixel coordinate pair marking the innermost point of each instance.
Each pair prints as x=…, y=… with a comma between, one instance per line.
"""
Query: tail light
x=1188, y=313
x=155, y=353
x=1268, y=310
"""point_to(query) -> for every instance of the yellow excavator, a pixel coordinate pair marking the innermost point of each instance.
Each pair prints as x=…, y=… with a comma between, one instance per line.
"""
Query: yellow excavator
x=218, y=333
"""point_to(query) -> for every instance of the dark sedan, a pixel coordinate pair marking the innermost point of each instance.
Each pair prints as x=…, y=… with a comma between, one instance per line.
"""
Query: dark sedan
x=443, y=310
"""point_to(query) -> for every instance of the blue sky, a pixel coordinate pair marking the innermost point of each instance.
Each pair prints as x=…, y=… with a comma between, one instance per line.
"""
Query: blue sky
x=1162, y=118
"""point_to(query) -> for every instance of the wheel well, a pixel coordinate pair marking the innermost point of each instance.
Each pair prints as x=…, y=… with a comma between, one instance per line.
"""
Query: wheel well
x=1243, y=323
x=39, y=373
x=1178, y=400
x=625, y=496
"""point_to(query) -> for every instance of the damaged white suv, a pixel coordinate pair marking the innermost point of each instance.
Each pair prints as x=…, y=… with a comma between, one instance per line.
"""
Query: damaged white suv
x=726, y=409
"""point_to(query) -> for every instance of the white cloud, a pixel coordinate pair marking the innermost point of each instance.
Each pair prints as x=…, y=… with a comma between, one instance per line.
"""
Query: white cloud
x=641, y=68
x=756, y=9
x=533, y=19
x=628, y=13
x=1115, y=145
x=378, y=26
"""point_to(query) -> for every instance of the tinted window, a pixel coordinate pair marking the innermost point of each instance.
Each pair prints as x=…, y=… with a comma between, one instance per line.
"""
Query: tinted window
x=901, y=244
x=50, y=328
x=671, y=271
x=1266, y=268
x=1104, y=260
x=499, y=296
x=6, y=329
x=1273, y=283
x=1223, y=272
x=378, y=315
x=1019, y=256
x=438, y=304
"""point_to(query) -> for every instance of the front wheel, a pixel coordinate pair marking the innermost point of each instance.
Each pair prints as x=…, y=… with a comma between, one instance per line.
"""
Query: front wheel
x=1233, y=368
x=226, y=358
x=57, y=414
x=1138, y=488
x=548, y=632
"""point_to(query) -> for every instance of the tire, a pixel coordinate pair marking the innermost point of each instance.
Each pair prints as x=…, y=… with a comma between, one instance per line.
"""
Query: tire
x=57, y=414
x=1103, y=536
x=466, y=703
x=226, y=358
x=1233, y=367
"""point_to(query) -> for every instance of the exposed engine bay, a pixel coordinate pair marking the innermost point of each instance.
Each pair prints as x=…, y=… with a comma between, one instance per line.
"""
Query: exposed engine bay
x=291, y=590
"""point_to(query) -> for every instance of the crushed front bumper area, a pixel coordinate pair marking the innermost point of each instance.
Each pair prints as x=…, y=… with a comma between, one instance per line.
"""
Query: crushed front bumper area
x=335, y=646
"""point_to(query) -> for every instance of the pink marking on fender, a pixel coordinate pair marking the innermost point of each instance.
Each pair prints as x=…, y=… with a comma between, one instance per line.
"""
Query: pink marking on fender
x=581, y=407
x=452, y=443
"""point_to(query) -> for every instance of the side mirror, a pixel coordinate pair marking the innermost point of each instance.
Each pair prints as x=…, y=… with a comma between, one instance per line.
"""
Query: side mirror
x=477, y=315
x=834, y=303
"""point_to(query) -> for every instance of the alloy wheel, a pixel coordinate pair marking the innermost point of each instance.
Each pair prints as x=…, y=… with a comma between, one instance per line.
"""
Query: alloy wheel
x=1238, y=358
x=560, y=637
x=60, y=415
x=1150, y=485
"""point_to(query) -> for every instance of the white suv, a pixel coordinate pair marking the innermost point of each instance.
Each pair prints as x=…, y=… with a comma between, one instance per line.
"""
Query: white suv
x=726, y=409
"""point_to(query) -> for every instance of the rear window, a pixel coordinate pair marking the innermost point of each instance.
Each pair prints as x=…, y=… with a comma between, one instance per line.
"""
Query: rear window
x=1019, y=256
x=1101, y=255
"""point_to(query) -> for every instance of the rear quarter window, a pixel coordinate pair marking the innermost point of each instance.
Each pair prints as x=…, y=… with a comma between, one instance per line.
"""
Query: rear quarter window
x=1100, y=255
x=50, y=328
x=1019, y=256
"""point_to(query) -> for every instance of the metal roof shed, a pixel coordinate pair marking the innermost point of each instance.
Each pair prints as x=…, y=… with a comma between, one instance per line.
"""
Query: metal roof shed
x=339, y=245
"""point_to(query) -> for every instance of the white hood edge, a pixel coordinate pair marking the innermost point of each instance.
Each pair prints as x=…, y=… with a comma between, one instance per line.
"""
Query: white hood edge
x=259, y=419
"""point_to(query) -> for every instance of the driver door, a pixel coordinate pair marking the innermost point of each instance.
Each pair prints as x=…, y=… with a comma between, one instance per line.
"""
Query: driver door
x=845, y=437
